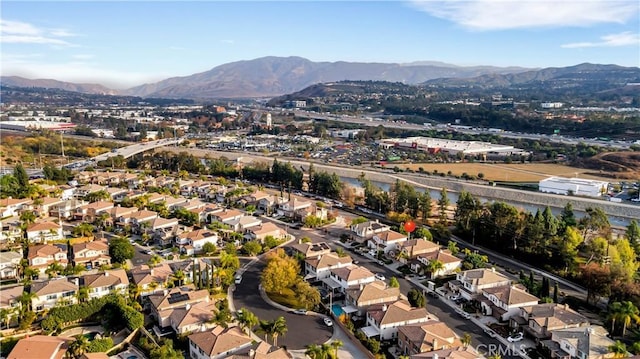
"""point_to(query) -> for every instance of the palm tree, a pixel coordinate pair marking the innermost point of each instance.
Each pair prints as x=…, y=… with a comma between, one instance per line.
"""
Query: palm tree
x=335, y=345
x=626, y=313
x=315, y=351
x=247, y=320
x=79, y=346
x=495, y=356
x=178, y=277
x=83, y=294
x=279, y=329
x=434, y=266
x=5, y=316
x=619, y=349
x=54, y=269
x=266, y=328
x=466, y=339
x=84, y=230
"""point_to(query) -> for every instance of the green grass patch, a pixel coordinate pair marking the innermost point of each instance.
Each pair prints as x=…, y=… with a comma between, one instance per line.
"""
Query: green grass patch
x=286, y=298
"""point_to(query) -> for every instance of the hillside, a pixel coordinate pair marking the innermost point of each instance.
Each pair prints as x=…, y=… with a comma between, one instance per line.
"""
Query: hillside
x=17, y=81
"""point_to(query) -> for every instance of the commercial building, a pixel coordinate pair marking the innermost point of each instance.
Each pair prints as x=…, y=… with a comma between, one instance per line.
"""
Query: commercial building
x=573, y=186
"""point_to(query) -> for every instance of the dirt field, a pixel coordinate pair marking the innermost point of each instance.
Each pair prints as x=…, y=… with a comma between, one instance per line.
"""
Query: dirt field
x=518, y=172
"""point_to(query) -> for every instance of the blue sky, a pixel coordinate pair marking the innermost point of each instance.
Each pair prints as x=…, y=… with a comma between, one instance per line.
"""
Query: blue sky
x=127, y=43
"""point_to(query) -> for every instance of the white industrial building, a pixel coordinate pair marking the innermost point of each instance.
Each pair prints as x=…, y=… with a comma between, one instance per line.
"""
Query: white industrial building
x=575, y=186
x=452, y=147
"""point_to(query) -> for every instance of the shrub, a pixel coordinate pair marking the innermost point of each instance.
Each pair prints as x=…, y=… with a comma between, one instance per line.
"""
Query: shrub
x=100, y=345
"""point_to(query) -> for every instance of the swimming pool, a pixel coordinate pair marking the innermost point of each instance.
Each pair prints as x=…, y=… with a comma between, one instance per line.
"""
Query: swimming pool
x=337, y=310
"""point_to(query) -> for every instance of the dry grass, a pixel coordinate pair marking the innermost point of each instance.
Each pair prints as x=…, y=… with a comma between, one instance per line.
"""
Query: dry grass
x=516, y=172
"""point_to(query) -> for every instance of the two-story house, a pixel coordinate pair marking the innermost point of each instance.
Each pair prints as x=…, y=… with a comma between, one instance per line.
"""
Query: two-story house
x=505, y=302
x=92, y=254
x=192, y=318
x=383, y=320
x=470, y=283
x=590, y=342
x=43, y=232
x=320, y=266
x=149, y=279
x=44, y=208
x=226, y=216
x=241, y=224
x=11, y=233
x=259, y=233
x=386, y=241
x=42, y=255
x=450, y=263
x=429, y=336
x=541, y=319
x=455, y=353
x=10, y=301
x=309, y=249
x=218, y=343
x=413, y=248
x=359, y=299
x=9, y=264
x=89, y=212
x=51, y=293
x=163, y=303
x=10, y=207
x=110, y=281
x=191, y=242
x=344, y=278
x=290, y=207
x=367, y=229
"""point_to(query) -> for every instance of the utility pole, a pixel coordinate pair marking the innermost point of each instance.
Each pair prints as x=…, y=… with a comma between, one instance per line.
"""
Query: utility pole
x=62, y=145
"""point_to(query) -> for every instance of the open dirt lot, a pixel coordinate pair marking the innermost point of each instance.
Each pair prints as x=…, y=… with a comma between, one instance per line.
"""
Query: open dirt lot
x=517, y=172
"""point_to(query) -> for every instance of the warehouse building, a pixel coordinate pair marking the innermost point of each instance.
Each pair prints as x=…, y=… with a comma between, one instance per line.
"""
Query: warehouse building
x=574, y=186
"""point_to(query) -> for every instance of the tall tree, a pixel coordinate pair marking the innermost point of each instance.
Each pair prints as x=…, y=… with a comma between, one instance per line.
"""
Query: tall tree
x=247, y=320
x=633, y=235
x=443, y=204
x=567, y=216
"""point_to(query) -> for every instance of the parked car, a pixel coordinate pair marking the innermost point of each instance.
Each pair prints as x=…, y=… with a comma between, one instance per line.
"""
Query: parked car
x=356, y=262
x=300, y=311
x=328, y=322
x=515, y=337
x=238, y=279
x=379, y=276
x=454, y=297
x=380, y=262
x=465, y=315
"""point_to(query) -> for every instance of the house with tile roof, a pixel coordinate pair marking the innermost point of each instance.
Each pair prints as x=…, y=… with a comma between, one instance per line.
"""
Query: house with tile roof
x=450, y=263
x=89, y=212
x=241, y=224
x=54, y=292
x=590, y=342
x=10, y=207
x=470, y=283
x=193, y=241
x=290, y=207
x=44, y=208
x=9, y=264
x=218, y=342
x=540, y=320
x=41, y=346
x=359, y=299
x=413, y=248
x=226, y=216
x=309, y=250
x=164, y=303
x=92, y=254
x=149, y=279
x=11, y=233
x=366, y=230
x=350, y=276
x=455, y=353
x=384, y=320
x=320, y=266
x=429, y=336
x=386, y=241
x=42, y=255
x=192, y=318
x=110, y=281
x=263, y=350
x=259, y=233
x=505, y=302
x=10, y=297
x=43, y=232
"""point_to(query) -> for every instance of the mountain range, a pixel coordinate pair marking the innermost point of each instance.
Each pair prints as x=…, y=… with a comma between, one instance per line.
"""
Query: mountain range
x=274, y=76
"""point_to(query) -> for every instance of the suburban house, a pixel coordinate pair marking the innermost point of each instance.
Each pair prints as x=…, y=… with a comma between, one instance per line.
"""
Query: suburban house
x=92, y=254
x=450, y=263
x=319, y=267
x=313, y=210
x=192, y=318
x=41, y=346
x=269, y=204
x=359, y=299
x=160, y=224
x=67, y=192
x=10, y=207
x=226, y=216
x=290, y=207
x=89, y=212
x=367, y=229
x=413, y=248
x=218, y=343
x=42, y=232
x=41, y=255
x=9, y=264
x=66, y=209
x=164, y=303
x=264, y=350
x=191, y=242
x=117, y=212
x=10, y=297
x=259, y=233
x=51, y=293
x=83, y=191
x=241, y=224
x=541, y=319
x=470, y=283
x=455, y=353
x=151, y=279
x=136, y=219
x=117, y=194
x=344, y=277
x=383, y=320
x=386, y=241
x=505, y=302
x=101, y=284
x=173, y=202
x=591, y=342
x=426, y=337
x=10, y=231
x=311, y=249
x=44, y=208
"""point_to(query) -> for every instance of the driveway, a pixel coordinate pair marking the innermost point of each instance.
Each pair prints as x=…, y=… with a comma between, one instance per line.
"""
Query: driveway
x=302, y=329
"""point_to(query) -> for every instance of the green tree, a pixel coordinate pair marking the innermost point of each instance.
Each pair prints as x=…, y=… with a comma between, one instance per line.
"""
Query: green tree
x=619, y=349
x=453, y=247
x=79, y=346
x=247, y=320
x=315, y=351
x=336, y=344
x=416, y=298
x=166, y=351
x=443, y=204
x=208, y=248
x=633, y=235
x=307, y=294
x=466, y=339
x=280, y=273
x=434, y=266
x=83, y=230
x=393, y=282
x=120, y=250
x=252, y=248
x=626, y=313
x=279, y=329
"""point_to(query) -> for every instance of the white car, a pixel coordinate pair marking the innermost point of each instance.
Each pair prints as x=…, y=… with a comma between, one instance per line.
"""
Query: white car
x=238, y=279
x=328, y=322
x=491, y=333
x=515, y=337
x=379, y=276
x=454, y=297
x=300, y=311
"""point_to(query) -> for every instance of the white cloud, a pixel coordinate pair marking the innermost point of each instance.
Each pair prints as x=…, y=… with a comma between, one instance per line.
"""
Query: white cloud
x=18, y=32
x=514, y=14
x=614, y=40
